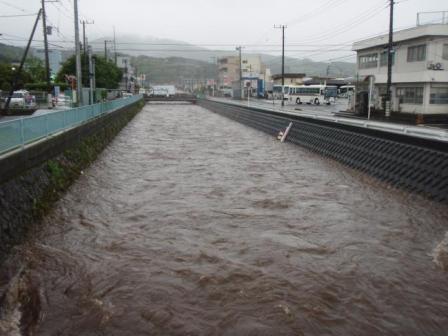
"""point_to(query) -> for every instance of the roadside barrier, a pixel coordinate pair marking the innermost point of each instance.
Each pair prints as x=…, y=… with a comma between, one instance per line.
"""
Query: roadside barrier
x=17, y=133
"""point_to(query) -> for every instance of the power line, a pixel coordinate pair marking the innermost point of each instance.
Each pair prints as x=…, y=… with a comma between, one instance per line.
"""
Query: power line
x=203, y=45
x=361, y=19
x=13, y=6
x=18, y=15
x=312, y=13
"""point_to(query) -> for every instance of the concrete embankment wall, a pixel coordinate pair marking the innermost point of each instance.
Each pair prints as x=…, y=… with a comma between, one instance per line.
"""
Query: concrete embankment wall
x=415, y=164
x=32, y=179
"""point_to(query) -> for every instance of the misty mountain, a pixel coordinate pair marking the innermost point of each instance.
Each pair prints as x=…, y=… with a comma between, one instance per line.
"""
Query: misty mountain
x=181, y=55
x=164, y=48
x=309, y=67
x=134, y=45
x=10, y=54
x=173, y=69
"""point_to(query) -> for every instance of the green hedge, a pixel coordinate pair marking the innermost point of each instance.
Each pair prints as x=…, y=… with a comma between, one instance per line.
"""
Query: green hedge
x=44, y=86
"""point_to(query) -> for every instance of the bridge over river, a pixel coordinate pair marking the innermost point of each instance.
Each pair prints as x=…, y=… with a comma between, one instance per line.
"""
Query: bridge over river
x=193, y=224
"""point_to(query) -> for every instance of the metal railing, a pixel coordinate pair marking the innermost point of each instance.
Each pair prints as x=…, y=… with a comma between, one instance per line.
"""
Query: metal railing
x=17, y=133
x=437, y=17
x=425, y=132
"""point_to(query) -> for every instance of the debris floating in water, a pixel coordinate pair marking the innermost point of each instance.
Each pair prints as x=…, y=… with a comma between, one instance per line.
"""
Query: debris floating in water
x=441, y=254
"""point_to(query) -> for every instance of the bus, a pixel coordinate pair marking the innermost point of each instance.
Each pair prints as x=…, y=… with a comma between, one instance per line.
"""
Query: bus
x=277, y=92
x=314, y=94
x=346, y=91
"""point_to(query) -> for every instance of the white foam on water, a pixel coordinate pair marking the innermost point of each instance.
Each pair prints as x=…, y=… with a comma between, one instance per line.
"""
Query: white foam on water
x=291, y=241
x=10, y=323
x=440, y=254
x=10, y=313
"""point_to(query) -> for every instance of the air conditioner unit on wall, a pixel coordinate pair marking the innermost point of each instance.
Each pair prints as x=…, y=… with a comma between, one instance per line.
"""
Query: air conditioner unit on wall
x=435, y=66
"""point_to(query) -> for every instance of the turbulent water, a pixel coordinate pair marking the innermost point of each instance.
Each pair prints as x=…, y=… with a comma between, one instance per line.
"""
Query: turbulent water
x=192, y=224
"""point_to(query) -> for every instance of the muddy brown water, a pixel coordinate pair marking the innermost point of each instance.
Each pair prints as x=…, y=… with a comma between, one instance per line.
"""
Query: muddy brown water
x=192, y=224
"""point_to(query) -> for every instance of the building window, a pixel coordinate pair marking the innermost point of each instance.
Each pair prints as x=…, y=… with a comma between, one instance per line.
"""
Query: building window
x=368, y=61
x=410, y=95
x=439, y=95
x=417, y=53
x=445, y=52
x=245, y=62
x=383, y=58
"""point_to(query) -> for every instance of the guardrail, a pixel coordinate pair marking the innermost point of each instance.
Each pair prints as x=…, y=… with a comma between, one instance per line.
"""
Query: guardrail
x=423, y=132
x=17, y=133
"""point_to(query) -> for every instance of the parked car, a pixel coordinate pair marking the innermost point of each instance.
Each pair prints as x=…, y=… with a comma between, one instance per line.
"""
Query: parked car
x=22, y=99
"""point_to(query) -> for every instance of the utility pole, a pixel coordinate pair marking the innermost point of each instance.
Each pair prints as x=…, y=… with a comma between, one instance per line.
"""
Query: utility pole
x=389, y=61
x=126, y=73
x=94, y=73
x=105, y=48
x=47, y=61
x=78, y=56
x=84, y=23
x=85, y=42
x=90, y=74
x=282, y=27
x=115, y=47
x=239, y=48
x=19, y=71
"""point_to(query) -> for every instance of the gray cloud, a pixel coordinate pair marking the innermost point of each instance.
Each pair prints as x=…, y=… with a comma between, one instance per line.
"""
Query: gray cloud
x=315, y=28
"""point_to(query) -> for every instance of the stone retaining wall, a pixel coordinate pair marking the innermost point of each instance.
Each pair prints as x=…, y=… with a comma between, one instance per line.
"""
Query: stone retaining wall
x=33, y=179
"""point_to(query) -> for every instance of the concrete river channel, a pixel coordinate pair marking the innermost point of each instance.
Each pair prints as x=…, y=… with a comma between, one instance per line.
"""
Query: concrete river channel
x=193, y=224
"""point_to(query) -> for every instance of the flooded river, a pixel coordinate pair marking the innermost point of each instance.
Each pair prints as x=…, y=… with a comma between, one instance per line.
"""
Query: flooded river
x=192, y=224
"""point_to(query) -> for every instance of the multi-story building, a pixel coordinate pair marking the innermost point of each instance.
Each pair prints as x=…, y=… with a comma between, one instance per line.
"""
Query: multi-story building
x=419, y=71
x=228, y=70
x=254, y=73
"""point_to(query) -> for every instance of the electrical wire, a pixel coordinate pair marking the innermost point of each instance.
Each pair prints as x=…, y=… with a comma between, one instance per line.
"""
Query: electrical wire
x=17, y=15
x=13, y=6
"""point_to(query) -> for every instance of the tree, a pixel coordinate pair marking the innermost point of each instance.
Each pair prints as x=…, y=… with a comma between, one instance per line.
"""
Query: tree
x=7, y=73
x=108, y=75
x=36, y=69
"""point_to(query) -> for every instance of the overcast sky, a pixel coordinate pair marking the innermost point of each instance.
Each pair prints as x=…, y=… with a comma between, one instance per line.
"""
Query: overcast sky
x=315, y=28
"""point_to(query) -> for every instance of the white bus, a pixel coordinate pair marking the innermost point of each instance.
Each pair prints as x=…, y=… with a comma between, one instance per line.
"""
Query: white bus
x=314, y=94
x=345, y=91
x=277, y=92
x=162, y=91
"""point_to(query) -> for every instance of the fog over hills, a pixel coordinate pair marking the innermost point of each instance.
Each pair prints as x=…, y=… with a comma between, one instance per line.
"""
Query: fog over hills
x=135, y=45
x=152, y=47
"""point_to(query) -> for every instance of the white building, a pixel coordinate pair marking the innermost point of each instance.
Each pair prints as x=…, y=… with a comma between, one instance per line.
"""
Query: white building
x=419, y=72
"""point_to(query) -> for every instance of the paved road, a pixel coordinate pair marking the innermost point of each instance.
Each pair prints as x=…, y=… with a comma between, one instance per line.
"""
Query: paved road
x=36, y=113
x=340, y=105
